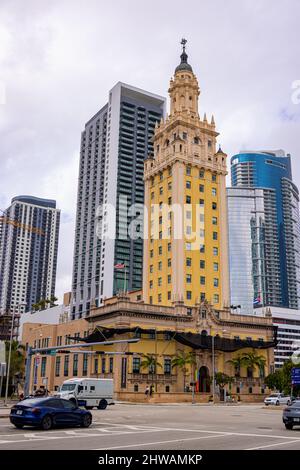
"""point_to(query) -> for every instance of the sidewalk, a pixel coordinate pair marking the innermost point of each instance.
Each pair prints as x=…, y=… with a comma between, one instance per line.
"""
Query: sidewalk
x=4, y=410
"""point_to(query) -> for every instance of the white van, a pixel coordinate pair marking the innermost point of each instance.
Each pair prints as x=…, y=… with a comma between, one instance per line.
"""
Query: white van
x=88, y=392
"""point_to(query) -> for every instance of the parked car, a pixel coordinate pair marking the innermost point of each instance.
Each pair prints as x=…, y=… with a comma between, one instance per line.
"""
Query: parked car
x=48, y=412
x=278, y=399
x=88, y=392
x=291, y=415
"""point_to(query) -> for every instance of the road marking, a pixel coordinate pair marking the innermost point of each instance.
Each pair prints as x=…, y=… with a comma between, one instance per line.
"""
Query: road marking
x=273, y=445
x=78, y=435
x=230, y=433
x=163, y=442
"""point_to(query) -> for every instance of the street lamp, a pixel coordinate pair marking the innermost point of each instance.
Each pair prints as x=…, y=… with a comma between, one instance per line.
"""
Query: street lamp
x=9, y=353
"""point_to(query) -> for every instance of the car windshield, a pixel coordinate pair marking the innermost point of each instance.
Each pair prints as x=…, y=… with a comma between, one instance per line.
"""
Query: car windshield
x=68, y=387
x=273, y=396
x=296, y=404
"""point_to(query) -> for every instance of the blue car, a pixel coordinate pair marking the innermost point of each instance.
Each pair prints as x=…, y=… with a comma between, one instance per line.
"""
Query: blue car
x=49, y=412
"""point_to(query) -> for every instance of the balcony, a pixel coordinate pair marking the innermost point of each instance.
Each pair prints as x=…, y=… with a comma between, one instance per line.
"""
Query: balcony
x=108, y=375
x=156, y=378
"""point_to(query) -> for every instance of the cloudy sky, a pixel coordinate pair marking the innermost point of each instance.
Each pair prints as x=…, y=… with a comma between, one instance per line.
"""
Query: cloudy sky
x=59, y=58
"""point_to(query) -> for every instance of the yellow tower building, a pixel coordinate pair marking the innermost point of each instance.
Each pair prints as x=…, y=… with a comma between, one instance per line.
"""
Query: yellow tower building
x=185, y=225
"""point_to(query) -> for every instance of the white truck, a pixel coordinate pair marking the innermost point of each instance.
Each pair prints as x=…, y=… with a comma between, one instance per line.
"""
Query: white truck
x=88, y=392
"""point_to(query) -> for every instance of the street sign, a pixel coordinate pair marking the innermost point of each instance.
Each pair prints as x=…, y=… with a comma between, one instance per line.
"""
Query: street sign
x=295, y=375
x=2, y=369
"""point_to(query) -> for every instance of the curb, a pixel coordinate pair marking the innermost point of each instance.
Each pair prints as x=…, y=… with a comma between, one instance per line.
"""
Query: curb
x=4, y=416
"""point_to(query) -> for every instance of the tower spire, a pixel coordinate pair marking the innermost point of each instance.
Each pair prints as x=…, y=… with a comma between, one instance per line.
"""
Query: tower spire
x=183, y=59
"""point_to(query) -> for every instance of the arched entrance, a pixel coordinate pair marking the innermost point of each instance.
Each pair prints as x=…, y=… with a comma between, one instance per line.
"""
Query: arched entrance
x=203, y=380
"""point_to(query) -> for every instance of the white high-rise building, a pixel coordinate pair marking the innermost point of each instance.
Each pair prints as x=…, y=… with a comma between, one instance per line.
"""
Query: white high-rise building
x=29, y=231
x=114, y=145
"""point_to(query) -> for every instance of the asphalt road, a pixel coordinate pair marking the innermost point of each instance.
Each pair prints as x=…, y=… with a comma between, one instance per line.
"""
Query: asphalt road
x=160, y=427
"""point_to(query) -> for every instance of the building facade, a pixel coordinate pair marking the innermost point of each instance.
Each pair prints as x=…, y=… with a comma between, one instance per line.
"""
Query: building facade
x=183, y=310
x=185, y=249
x=249, y=247
x=28, y=252
x=276, y=253
x=114, y=144
x=163, y=333
x=287, y=322
x=52, y=315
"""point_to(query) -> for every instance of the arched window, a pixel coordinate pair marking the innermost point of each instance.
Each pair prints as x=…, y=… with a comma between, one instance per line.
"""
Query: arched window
x=204, y=333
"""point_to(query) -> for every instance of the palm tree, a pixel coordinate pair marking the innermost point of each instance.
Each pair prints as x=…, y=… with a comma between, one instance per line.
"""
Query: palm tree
x=237, y=363
x=182, y=360
x=252, y=360
x=151, y=363
x=53, y=299
x=35, y=307
x=17, y=360
x=42, y=304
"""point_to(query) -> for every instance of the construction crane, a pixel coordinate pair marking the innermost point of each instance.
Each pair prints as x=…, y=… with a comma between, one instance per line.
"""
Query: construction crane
x=15, y=223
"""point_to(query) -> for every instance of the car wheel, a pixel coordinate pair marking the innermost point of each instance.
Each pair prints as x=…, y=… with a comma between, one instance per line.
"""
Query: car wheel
x=288, y=426
x=46, y=423
x=277, y=403
x=89, y=407
x=102, y=405
x=288, y=403
x=19, y=426
x=86, y=421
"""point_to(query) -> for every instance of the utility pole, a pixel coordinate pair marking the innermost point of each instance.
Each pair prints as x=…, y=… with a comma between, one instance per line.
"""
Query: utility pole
x=213, y=367
x=9, y=354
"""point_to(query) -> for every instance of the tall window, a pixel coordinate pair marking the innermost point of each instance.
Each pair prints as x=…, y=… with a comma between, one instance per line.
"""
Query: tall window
x=103, y=365
x=43, y=366
x=167, y=366
x=57, y=366
x=136, y=365
x=111, y=365
x=96, y=366
x=66, y=366
x=75, y=365
x=85, y=365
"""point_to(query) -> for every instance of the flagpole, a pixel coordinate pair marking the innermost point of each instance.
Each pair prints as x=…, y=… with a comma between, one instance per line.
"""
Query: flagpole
x=125, y=277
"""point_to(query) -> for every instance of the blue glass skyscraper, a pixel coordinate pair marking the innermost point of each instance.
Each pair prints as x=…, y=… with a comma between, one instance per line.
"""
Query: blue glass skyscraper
x=278, y=240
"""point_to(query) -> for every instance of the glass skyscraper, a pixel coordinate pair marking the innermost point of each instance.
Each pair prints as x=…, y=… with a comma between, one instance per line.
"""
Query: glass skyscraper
x=263, y=217
x=114, y=145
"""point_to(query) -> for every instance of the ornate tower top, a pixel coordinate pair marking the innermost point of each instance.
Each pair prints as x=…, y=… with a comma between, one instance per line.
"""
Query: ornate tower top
x=184, y=89
x=184, y=57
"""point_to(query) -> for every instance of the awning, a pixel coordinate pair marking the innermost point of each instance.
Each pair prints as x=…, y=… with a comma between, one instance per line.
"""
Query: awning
x=193, y=340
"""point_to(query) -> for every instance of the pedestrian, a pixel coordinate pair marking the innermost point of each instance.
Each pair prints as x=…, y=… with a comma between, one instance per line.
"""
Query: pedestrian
x=147, y=391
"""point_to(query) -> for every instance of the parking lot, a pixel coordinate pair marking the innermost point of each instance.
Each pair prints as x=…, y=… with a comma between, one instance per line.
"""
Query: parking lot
x=180, y=427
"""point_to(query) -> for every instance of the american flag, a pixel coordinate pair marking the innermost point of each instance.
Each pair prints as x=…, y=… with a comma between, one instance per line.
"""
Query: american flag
x=119, y=266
